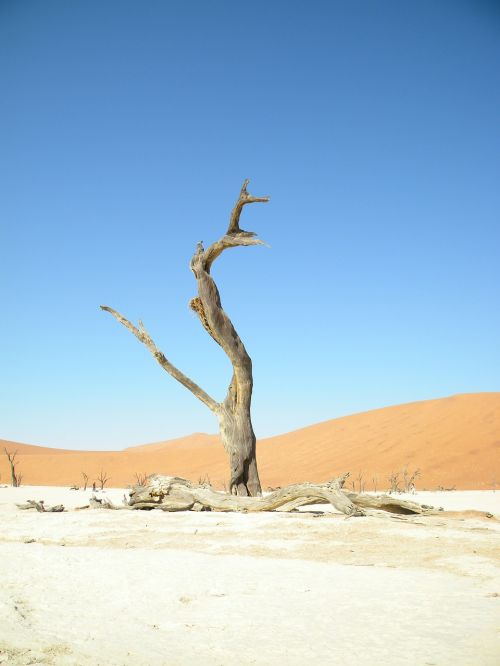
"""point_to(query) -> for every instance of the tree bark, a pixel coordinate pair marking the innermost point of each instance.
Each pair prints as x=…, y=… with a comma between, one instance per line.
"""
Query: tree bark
x=233, y=413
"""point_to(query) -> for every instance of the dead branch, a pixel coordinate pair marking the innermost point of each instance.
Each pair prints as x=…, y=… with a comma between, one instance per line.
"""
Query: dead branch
x=243, y=199
x=143, y=336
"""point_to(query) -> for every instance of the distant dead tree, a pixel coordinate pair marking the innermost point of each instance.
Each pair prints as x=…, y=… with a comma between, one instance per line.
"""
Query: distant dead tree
x=394, y=483
x=406, y=478
x=409, y=479
x=374, y=481
x=233, y=413
x=361, y=483
x=141, y=479
x=85, y=480
x=204, y=481
x=103, y=479
x=16, y=476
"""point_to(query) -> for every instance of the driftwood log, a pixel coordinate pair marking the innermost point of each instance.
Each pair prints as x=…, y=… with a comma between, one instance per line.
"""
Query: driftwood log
x=233, y=413
x=41, y=507
x=170, y=493
x=173, y=493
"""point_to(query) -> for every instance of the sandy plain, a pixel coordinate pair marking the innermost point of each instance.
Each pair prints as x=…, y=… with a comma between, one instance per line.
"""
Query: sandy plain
x=120, y=588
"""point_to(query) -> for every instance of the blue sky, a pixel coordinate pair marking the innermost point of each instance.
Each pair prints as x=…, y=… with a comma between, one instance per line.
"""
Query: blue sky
x=127, y=130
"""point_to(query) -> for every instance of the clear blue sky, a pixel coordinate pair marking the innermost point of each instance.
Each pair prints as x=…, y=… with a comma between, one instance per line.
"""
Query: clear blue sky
x=126, y=131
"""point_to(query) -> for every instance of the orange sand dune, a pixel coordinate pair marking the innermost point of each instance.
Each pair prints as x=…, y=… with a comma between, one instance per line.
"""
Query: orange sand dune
x=453, y=441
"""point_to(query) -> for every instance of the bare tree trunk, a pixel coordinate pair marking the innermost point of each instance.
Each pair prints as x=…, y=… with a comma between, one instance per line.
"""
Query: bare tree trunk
x=233, y=413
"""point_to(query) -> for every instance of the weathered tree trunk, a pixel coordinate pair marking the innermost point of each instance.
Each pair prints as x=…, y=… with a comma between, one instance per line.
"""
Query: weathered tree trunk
x=170, y=493
x=233, y=413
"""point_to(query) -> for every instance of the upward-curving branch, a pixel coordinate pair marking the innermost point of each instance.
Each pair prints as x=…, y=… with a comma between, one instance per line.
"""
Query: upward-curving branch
x=233, y=413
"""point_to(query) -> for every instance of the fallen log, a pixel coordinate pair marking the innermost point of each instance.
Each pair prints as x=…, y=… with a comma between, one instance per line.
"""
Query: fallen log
x=169, y=493
x=40, y=507
x=377, y=502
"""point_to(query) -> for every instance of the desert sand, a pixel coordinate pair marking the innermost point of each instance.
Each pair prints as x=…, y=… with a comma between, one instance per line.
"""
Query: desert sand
x=119, y=588
x=454, y=441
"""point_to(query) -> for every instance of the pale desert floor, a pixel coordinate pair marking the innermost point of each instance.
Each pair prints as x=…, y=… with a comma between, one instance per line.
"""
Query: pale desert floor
x=119, y=588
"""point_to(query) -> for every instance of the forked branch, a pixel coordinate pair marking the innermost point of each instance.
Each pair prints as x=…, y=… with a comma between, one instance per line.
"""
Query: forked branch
x=243, y=199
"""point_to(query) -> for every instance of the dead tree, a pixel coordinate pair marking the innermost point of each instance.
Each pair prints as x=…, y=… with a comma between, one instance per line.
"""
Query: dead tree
x=102, y=478
x=409, y=480
x=141, y=479
x=233, y=413
x=361, y=483
x=15, y=475
x=85, y=480
x=394, y=483
x=170, y=493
